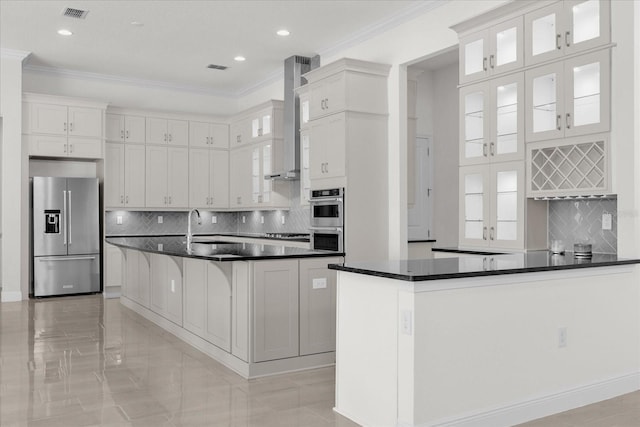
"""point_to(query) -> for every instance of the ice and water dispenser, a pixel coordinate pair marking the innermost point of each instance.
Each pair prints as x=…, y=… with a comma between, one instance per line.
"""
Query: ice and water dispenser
x=51, y=221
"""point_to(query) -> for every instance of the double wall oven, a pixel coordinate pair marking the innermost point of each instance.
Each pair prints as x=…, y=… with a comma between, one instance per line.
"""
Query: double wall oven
x=327, y=219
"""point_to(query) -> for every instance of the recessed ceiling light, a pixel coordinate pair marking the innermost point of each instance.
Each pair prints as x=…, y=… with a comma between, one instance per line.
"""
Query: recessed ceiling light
x=239, y=58
x=137, y=23
x=283, y=32
x=64, y=32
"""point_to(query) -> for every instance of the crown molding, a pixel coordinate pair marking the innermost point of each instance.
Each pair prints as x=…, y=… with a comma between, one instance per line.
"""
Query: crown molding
x=13, y=53
x=152, y=84
x=412, y=11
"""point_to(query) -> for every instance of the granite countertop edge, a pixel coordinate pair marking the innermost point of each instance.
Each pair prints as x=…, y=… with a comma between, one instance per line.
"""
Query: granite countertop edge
x=222, y=257
x=231, y=234
x=468, y=274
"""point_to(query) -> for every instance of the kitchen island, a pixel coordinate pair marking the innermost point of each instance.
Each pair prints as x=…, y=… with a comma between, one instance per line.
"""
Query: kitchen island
x=259, y=309
x=490, y=340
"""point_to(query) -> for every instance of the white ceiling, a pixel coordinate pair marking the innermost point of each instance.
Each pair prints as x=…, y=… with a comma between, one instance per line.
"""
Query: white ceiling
x=179, y=38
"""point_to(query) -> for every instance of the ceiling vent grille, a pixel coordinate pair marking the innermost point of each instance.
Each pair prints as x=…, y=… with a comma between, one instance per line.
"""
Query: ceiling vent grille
x=217, y=67
x=75, y=13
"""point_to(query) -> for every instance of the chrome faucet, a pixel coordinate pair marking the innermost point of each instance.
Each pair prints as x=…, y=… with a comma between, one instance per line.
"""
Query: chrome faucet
x=189, y=234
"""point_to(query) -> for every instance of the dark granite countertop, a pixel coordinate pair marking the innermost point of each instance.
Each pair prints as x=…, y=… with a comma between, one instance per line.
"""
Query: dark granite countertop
x=456, y=250
x=421, y=241
x=214, y=251
x=291, y=237
x=474, y=266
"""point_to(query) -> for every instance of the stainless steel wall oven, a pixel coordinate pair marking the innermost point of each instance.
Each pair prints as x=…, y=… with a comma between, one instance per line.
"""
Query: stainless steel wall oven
x=327, y=219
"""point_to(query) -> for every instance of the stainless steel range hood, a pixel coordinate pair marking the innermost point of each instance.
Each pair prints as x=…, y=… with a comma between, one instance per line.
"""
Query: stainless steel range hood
x=294, y=67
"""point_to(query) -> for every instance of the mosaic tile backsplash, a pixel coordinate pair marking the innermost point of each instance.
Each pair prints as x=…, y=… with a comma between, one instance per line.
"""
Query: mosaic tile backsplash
x=581, y=220
x=296, y=220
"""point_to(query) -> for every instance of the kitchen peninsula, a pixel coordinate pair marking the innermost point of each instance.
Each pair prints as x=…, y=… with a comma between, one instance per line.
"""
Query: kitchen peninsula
x=259, y=309
x=483, y=340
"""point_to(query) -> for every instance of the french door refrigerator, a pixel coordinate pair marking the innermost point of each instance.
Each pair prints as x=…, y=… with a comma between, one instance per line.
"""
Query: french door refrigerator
x=66, y=236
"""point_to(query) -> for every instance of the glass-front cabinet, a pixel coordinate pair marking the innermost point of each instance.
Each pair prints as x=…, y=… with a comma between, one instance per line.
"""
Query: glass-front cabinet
x=566, y=27
x=569, y=98
x=492, y=51
x=492, y=121
x=492, y=205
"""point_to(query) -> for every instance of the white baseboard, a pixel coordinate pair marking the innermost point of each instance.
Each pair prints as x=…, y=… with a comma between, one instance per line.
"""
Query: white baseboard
x=11, y=296
x=540, y=407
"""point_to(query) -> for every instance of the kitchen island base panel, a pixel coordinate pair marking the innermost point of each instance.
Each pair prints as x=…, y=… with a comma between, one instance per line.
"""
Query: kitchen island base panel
x=414, y=355
x=242, y=368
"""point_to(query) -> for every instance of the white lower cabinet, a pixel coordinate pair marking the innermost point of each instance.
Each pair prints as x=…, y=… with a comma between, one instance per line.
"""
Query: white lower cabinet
x=275, y=310
x=114, y=271
x=207, y=301
x=317, y=305
x=166, y=287
x=137, y=279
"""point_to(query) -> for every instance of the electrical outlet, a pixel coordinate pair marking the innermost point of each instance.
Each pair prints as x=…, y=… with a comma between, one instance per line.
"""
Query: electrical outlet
x=406, y=326
x=244, y=219
x=562, y=337
x=160, y=247
x=261, y=219
x=282, y=219
x=173, y=286
x=214, y=219
x=606, y=221
x=319, y=283
x=119, y=219
x=160, y=219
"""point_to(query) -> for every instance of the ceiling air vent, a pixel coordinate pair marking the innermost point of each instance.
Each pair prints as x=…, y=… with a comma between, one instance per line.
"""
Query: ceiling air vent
x=75, y=13
x=217, y=67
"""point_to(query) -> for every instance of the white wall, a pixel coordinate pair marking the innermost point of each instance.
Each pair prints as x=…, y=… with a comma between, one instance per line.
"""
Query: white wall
x=15, y=206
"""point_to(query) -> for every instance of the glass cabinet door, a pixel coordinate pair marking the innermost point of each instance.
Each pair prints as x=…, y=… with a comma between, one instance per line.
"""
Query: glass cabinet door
x=545, y=102
x=587, y=94
x=506, y=52
x=474, y=206
x=507, y=136
x=473, y=56
x=588, y=24
x=543, y=38
x=507, y=182
x=474, y=124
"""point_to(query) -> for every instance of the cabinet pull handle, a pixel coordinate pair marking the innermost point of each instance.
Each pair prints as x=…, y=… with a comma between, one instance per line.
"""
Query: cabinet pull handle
x=326, y=103
x=127, y=134
x=65, y=126
x=491, y=232
x=484, y=233
x=484, y=63
x=121, y=199
x=126, y=199
x=558, y=44
x=65, y=148
x=207, y=140
x=169, y=199
x=567, y=38
x=165, y=137
x=165, y=200
x=558, y=126
x=70, y=148
x=492, y=150
x=170, y=138
x=484, y=149
x=122, y=134
x=484, y=263
x=491, y=58
x=568, y=120
x=71, y=127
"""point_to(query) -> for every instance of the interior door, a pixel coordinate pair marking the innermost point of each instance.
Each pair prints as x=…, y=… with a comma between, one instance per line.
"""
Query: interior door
x=83, y=216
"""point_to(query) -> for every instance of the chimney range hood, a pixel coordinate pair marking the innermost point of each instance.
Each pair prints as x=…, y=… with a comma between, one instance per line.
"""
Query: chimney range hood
x=294, y=67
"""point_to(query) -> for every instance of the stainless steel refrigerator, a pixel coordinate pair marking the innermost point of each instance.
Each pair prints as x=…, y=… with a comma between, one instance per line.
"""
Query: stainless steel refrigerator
x=65, y=236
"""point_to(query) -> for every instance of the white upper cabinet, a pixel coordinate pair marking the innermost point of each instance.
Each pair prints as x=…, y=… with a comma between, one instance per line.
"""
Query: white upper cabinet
x=211, y=135
x=167, y=131
x=167, y=178
x=492, y=51
x=492, y=120
x=566, y=27
x=569, y=98
x=124, y=184
x=125, y=128
x=208, y=178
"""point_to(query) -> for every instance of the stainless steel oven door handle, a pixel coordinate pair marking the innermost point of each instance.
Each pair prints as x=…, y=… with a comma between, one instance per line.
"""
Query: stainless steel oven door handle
x=330, y=199
x=336, y=229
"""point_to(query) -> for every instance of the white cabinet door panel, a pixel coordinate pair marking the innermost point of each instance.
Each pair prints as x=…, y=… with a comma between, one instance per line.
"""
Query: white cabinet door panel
x=156, y=177
x=178, y=177
x=85, y=122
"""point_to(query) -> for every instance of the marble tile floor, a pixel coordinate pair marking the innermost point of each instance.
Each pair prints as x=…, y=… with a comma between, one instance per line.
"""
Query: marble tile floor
x=86, y=361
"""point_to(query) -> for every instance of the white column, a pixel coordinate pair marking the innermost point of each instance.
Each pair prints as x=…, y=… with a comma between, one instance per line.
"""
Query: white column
x=397, y=140
x=15, y=181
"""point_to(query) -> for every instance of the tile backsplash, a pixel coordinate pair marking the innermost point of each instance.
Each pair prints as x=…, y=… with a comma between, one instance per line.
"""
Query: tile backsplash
x=296, y=220
x=581, y=220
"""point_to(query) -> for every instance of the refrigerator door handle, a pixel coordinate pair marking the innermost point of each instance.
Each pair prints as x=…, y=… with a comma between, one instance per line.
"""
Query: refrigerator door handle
x=66, y=258
x=64, y=217
x=68, y=207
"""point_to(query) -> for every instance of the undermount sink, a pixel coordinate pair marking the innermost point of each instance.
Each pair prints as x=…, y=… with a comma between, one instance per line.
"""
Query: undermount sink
x=209, y=241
